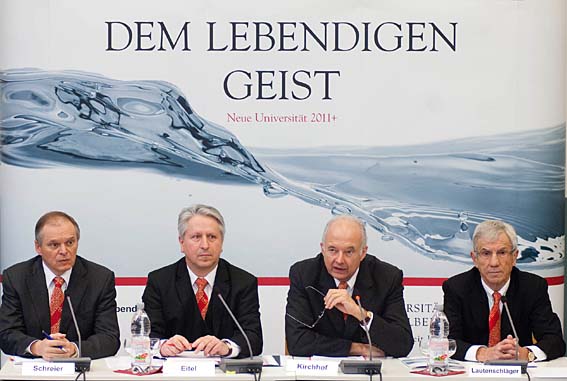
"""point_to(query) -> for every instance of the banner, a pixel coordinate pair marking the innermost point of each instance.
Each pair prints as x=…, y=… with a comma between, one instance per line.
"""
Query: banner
x=421, y=118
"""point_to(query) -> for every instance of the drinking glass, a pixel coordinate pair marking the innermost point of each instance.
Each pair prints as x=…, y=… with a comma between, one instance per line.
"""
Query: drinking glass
x=424, y=345
x=154, y=346
x=452, y=347
x=127, y=346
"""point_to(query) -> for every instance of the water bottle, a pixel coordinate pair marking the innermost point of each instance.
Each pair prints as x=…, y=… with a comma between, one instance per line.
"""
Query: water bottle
x=140, y=341
x=438, y=342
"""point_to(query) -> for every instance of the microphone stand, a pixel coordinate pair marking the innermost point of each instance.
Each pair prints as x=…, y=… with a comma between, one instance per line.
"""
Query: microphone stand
x=82, y=364
x=249, y=365
x=369, y=366
x=523, y=364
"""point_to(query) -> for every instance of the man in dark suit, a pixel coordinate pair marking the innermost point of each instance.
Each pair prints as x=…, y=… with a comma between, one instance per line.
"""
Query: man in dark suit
x=182, y=299
x=34, y=298
x=473, y=303
x=322, y=316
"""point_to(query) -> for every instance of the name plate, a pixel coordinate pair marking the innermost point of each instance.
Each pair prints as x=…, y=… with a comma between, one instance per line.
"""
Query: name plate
x=313, y=367
x=479, y=370
x=44, y=368
x=188, y=368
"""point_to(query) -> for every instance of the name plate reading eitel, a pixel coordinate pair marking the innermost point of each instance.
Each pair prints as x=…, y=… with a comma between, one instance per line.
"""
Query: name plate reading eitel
x=189, y=367
x=44, y=368
x=313, y=367
x=493, y=371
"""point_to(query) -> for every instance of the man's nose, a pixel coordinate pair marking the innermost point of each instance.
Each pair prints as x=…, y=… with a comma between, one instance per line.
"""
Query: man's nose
x=204, y=242
x=494, y=260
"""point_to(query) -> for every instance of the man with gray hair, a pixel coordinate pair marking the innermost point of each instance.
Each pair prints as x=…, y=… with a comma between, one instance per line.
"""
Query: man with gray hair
x=322, y=316
x=182, y=299
x=474, y=303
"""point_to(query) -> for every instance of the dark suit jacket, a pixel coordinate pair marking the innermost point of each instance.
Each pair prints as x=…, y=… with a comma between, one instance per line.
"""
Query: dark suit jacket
x=170, y=303
x=379, y=285
x=24, y=312
x=466, y=307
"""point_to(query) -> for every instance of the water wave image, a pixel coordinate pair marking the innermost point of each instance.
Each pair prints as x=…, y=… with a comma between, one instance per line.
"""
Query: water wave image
x=428, y=197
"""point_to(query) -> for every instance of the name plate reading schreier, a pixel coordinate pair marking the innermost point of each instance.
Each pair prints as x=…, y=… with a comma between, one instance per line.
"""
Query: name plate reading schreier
x=504, y=371
x=186, y=367
x=312, y=367
x=41, y=368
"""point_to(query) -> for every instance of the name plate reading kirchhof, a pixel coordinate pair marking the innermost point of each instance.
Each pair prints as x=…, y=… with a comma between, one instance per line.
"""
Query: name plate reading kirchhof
x=479, y=370
x=312, y=367
x=41, y=368
x=189, y=367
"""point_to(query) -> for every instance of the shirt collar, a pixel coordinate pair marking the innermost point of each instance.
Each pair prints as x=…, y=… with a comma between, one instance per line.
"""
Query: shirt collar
x=49, y=275
x=350, y=282
x=490, y=291
x=210, y=277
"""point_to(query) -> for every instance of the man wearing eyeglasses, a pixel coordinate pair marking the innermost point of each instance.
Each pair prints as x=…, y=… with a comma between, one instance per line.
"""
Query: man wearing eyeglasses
x=322, y=316
x=474, y=303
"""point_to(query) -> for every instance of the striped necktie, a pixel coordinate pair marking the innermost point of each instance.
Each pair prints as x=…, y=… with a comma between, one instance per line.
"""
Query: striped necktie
x=202, y=298
x=494, y=321
x=56, y=304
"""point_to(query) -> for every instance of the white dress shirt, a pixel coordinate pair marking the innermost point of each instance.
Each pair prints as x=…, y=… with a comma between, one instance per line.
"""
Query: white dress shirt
x=471, y=352
x=210, y=277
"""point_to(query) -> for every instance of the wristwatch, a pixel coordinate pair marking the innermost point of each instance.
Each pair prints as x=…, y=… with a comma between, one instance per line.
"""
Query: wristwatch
x=368, y=317
x=531, y=356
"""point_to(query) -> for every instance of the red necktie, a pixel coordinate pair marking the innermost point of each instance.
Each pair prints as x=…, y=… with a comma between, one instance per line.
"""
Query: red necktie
x=343, y=286
x=202, y=298
x=56, y=304
x=494, y=321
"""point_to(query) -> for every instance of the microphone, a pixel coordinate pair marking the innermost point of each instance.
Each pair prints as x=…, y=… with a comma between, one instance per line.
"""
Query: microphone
x=250, y=365
x=82, y=364
x=369, y=366
x=504, y=301
x=365, y=324
x=523, y=364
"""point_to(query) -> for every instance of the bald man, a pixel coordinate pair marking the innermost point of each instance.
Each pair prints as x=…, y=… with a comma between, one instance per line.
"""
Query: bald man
x=322, y=316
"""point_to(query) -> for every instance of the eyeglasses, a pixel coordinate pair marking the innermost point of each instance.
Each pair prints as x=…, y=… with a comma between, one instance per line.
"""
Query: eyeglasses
x=487, y=254
x=319, y=317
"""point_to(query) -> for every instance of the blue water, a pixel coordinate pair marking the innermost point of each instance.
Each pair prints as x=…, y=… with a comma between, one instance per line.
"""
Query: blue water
x=428, y=197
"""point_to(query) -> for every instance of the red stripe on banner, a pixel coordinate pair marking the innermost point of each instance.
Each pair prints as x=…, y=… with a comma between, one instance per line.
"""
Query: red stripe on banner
x=423, y=281
x=284, y=281
x=555, y=280
x=131, y=281
x=273, y=281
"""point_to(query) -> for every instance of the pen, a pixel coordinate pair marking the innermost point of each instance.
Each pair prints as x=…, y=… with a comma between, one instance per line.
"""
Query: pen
x=48, y=337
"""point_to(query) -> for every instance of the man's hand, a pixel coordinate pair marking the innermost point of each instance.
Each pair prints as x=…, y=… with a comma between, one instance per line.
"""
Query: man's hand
x=59, y=347
x=343, y=302
x=504, y=350
x=174, y=346
x=211, y=346
x=361, y=349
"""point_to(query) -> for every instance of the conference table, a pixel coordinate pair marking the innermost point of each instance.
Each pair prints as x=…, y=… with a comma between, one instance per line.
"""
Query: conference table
x=392, y=370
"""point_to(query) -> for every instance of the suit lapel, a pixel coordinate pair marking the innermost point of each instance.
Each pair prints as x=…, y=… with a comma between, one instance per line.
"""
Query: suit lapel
x=216, y=311
x=325, y=283
x=479, y=303
x=364, y=287
x=512, y=297
x=75, y=290
x=186, y=296
x=37, y=289
x=479, y=300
